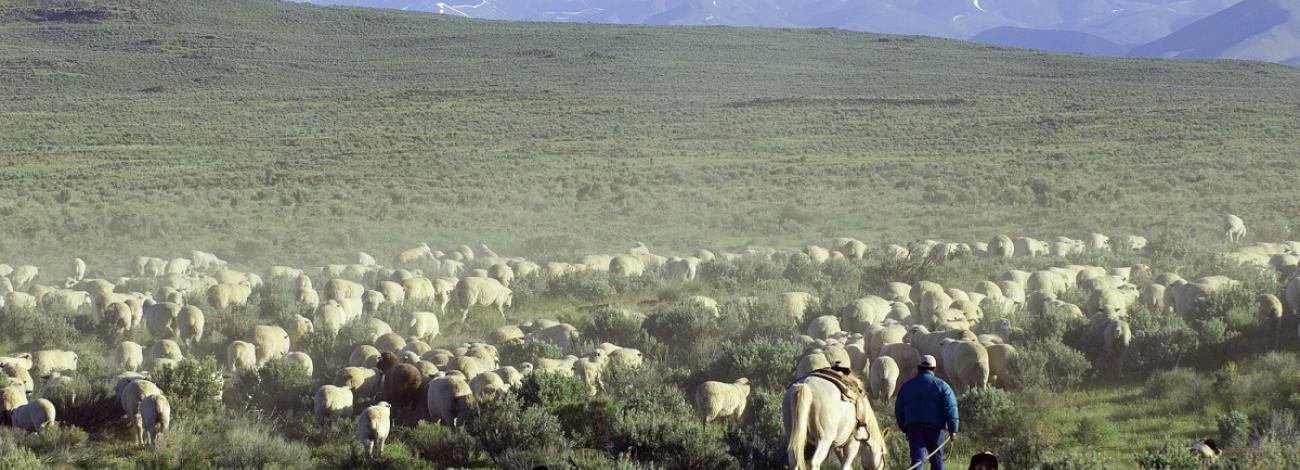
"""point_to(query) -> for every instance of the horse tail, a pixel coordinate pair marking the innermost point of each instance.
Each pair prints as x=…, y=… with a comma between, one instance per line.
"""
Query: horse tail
x=801, y=407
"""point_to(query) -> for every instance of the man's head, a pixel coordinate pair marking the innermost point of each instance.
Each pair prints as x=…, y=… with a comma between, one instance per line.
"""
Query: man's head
x=927, y=363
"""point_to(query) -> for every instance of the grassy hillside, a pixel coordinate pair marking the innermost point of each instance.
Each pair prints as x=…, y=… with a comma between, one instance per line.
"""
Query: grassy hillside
x=271, y=132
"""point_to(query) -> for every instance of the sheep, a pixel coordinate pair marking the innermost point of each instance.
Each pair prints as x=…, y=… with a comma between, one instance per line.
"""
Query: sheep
x=34, y=416
x=12, y=397
x=271, y=342
x=1234, y=228
x=473, y=291
x=390, y=342
x=883, y=378
x=160, y=319
x=298, y=328
x=363, y=381
x=401, y=385
x=131, y=397
x=52, y=360
x=127, y=357
x=562, y=335
x=303, y=360
x=421, y=325
x=715, y=400
x=372, y=429
x=364, y=356
x=332, y=402
x=224, y=295
x=156, y=416
x=240, y=357
x=189, y=325
x=15, y=372
x=166, y=349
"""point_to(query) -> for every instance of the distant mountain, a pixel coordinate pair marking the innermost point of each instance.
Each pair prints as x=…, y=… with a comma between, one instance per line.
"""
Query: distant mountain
x=1127, y=22
x=1050, y=40
x=1266, y=30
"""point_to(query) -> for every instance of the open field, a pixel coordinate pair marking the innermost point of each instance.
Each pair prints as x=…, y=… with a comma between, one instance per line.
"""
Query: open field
x=155, y=130
x=271, y=133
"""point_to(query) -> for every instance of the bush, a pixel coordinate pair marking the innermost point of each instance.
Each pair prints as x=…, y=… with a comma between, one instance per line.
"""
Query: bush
x=1170, y=456
x=502, y=425
x=591, y=423
x=759, y=441
x=1160, y=341
x=331, y=352
x=442, y=446
x=987, y=411
x=549, y=391
x=255, y=444
x=671, y=441
x=1053, y=324
x=1234, y=429
x=756, y=359
x=1093, y=431
x=517, y=352
x=191, y=385
x=1183, y=386
x=279, y=386
x=585, y=286
x=615, y=326
x=1047, y=364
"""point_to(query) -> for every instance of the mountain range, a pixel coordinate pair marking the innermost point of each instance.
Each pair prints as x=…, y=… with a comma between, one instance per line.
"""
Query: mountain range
x=1266, y=30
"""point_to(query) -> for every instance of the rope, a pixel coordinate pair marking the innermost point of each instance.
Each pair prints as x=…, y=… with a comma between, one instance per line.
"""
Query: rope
x=946, y=440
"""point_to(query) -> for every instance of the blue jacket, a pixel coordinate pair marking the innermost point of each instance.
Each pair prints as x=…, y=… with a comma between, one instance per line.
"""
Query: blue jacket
x=925, y=399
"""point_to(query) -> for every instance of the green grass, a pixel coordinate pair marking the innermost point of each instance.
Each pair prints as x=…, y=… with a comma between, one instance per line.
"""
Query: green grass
x=276, y=133
x=381, y=129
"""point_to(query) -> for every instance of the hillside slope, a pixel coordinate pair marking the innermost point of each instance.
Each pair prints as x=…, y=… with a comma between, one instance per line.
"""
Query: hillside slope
x=268, y=131
x=1267, y=30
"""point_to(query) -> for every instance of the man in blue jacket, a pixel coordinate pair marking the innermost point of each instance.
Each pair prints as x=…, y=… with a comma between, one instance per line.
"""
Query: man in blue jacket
x=925, y=407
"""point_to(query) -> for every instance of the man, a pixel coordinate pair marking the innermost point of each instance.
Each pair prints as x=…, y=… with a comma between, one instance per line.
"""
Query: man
x=925, y=407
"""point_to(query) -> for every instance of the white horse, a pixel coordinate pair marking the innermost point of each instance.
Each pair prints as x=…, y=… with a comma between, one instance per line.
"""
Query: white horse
x=815, y=412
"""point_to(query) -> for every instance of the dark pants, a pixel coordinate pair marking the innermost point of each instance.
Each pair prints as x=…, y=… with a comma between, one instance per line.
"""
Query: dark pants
x=925, y=439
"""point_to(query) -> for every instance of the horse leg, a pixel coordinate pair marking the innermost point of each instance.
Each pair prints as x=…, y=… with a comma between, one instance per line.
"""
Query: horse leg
x=847, y=453
x=819, y=455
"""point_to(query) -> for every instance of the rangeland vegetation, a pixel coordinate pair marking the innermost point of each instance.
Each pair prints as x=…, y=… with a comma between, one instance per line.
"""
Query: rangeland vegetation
x=273, y=134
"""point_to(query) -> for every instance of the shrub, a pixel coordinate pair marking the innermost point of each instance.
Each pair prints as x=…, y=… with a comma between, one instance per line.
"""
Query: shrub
x=516, y=352
x=248, y=443
x=590, y=423
x=1234, y=428
x=585, y=286
x=1169, y=456
x=672, y=441
x=1160, y=341
x=758, y=442
x=987, y=410
x=1047, y=364
x=1053, y=324
x=1183, y=386
x=758, y=360
x=616, y=326
x=1093, y=431
x=442, y=446
x=549, y=391
x=502, y=425
x=280, y=385
x=191, y=385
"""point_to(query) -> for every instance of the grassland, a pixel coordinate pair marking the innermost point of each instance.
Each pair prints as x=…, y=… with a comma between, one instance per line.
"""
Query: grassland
x=273, y=132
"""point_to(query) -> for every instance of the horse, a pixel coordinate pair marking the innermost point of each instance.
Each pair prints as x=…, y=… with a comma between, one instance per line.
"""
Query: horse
x=819, y=412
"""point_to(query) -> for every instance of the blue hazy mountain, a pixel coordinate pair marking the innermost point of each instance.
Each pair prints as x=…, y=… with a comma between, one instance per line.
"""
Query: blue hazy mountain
x=1255, y=29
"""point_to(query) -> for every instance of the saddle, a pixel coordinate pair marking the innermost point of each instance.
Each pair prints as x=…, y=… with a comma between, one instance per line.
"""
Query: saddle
x=850, y=389
x=843, y=379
